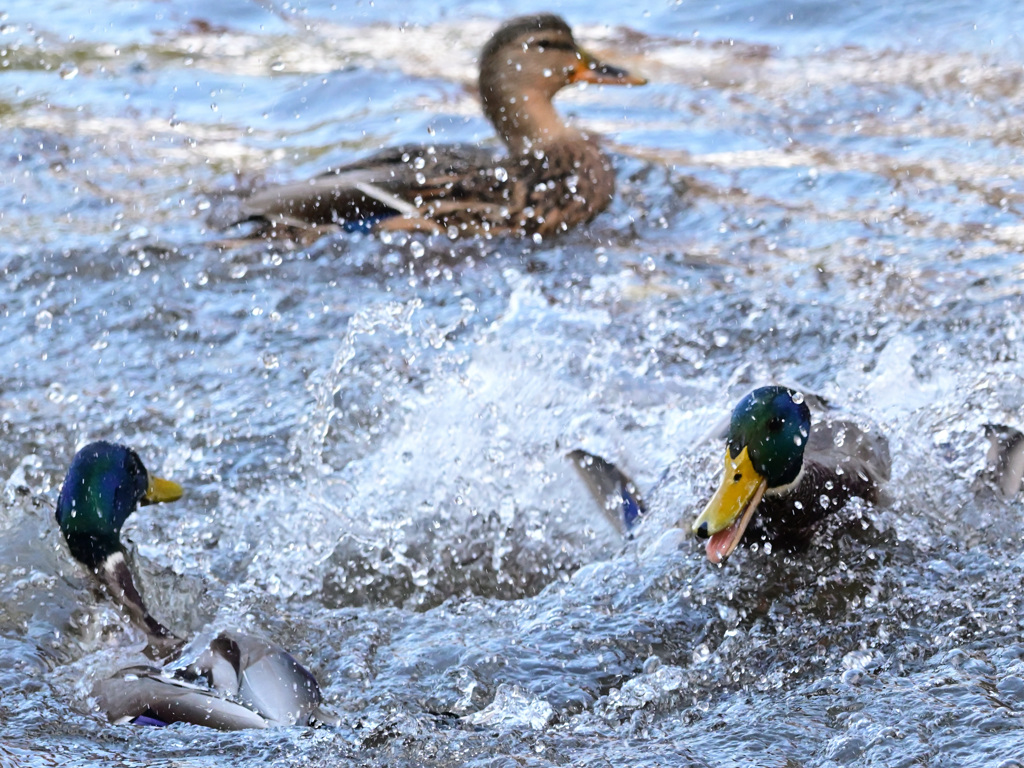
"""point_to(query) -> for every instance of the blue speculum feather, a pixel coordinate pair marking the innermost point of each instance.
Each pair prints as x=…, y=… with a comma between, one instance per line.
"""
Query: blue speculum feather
x=148, y=720
x=632, y=513
x=365, y=226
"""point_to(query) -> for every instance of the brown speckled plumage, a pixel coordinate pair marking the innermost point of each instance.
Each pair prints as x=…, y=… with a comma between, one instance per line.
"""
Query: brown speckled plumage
x=552, y=177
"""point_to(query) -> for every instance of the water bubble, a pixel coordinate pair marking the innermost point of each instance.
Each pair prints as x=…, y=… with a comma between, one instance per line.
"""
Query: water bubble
x=417, y=249
x=44, y=319
x=500, y=174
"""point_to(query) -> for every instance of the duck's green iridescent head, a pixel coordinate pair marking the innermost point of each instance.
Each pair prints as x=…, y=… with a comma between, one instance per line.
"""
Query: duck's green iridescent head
x=773, y=424
x=765, y=451
x=103, y=486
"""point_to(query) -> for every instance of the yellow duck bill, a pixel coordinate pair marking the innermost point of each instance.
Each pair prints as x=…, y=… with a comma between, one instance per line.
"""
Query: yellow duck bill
x=730, y=510
x=159, y=490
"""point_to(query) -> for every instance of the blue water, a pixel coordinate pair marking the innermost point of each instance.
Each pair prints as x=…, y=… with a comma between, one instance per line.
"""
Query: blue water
x=371, y=431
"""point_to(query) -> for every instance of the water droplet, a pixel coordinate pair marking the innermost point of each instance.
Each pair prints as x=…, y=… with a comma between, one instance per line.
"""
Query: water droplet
x=44, y=319
x=277, y=66
x=416, y=249
x=68, y=72
x=270, y=361
x=798, y=397
x=501, y=174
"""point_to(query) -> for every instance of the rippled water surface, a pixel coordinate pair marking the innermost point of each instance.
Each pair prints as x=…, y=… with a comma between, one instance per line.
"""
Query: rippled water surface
x=371, y=432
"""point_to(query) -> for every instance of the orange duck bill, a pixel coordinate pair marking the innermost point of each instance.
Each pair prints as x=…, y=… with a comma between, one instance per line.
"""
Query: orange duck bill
x=590, y=70
x=730, y=510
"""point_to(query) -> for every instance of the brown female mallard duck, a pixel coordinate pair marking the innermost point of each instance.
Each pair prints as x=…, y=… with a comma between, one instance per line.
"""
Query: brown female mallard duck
x=552, y=177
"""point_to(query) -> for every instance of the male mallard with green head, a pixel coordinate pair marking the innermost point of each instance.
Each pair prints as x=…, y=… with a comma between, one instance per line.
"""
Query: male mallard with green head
x=789, y=471
x=784, y=473
x=236, y=681
x=552, y=177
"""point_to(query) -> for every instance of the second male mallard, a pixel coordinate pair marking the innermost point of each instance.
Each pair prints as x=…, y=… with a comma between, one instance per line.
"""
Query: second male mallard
x=553, y=176
x=783, y=474
x=236, y=681
x=791, y=473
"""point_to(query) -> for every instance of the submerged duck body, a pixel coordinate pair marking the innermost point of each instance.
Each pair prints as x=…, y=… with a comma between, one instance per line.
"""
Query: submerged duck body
x=234, y=681
x=551, y=178
x=783, y=473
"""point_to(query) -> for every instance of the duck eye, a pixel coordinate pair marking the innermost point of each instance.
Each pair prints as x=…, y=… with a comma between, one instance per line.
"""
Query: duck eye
x=775, y=424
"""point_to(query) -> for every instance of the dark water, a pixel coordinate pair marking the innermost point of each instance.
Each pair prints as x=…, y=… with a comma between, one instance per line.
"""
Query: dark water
x=371, y=432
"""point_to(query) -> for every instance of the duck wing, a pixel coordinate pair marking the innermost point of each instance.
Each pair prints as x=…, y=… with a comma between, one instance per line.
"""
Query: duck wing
x=402, y=181
x=146, y=695
x=1005, y=457
x=236, y=682
x=860, y=457
x=616, y=495
x=262, y=675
